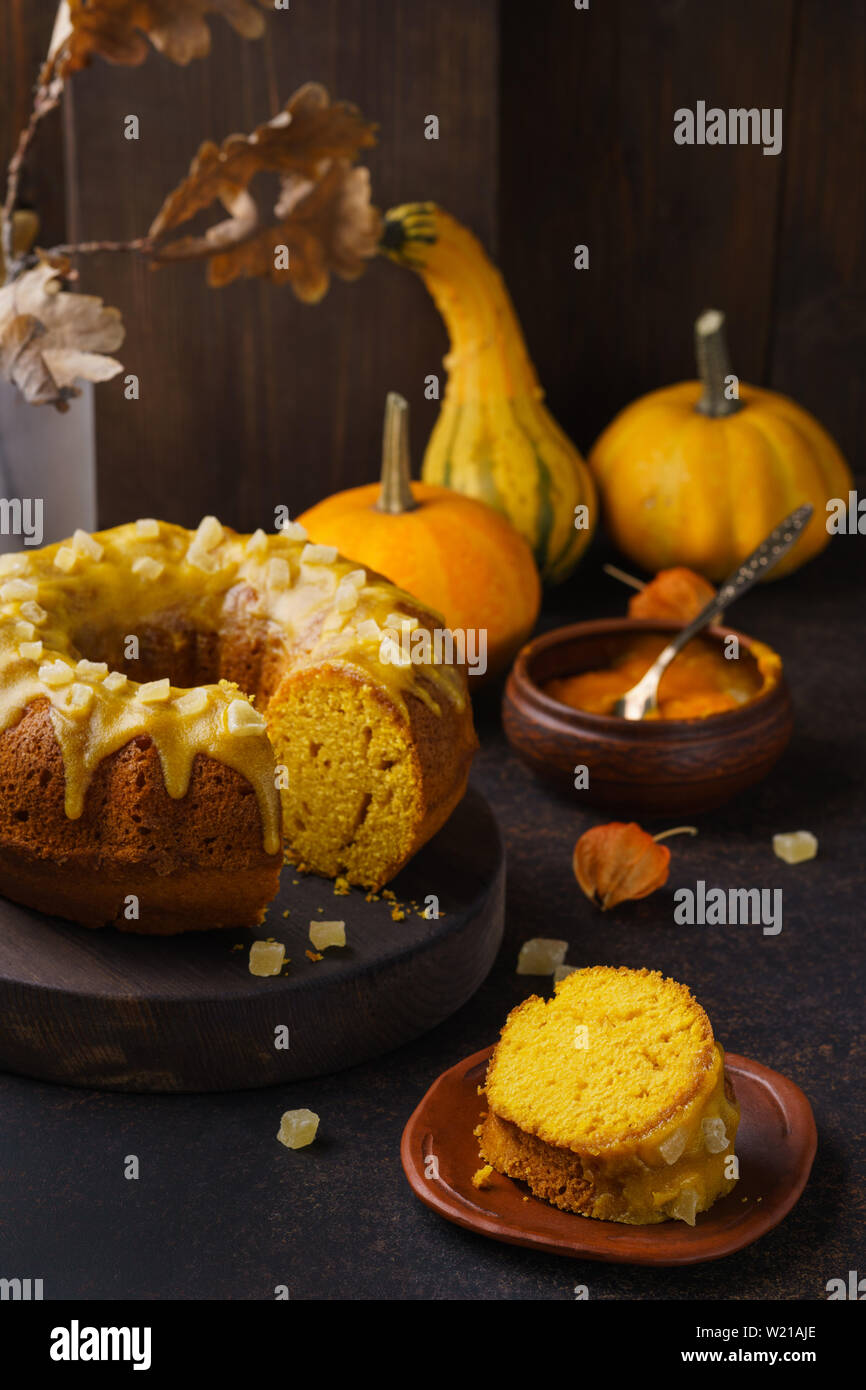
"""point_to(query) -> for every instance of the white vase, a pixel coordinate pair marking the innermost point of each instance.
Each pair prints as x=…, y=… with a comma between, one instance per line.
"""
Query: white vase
x=48, y=460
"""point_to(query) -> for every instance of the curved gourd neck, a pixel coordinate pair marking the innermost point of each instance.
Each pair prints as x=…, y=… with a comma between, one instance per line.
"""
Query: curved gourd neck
x=714, y=366
x=487, y=346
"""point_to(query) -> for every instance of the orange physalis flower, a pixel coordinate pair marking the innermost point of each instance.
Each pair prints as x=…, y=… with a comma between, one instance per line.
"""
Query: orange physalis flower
x=677, y=595
x=618, y=862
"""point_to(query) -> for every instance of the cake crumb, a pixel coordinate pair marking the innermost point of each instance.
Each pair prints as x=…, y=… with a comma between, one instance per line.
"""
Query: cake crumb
x=481, y=1179
x=389, y=895
x=314, y=955
x=397, y=914
x=342, y=887
x=238, y=946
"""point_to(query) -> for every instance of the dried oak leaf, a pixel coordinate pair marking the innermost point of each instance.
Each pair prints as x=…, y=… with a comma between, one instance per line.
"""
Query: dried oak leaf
x=50, y=337
x=120, y=30
x=677, y=595
x=618, y=862
x=322, y=212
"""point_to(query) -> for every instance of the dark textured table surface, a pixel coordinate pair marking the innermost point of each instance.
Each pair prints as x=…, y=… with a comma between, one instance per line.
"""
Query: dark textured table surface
x=222, y=1211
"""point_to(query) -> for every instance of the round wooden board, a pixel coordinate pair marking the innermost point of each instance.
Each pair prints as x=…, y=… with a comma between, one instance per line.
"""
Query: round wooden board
x=134, y=1013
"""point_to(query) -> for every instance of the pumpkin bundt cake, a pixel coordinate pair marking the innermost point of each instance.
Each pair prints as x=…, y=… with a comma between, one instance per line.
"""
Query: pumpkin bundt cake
x=611, y=1099
x=179, y=708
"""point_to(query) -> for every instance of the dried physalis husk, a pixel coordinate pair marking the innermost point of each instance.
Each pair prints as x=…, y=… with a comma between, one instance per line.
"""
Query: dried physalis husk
x=619, y=862
x=677, y=595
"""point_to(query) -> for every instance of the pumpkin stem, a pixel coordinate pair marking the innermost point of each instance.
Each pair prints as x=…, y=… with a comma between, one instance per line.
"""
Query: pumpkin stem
x=676, y=830
x=714, y=365
x=396, y=493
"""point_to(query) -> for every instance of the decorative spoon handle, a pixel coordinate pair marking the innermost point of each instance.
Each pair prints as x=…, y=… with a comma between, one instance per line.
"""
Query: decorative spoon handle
x=760, y=562
x=643, y=697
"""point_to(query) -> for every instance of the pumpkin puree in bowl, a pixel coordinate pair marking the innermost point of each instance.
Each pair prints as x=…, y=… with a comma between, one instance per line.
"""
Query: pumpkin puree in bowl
x=700, y=681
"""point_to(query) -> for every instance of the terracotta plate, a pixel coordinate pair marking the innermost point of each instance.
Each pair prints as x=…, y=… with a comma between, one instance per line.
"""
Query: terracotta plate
x=775, y=1143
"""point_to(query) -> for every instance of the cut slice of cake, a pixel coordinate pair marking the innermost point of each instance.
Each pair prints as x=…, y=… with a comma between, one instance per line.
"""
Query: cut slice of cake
x=611, y=1099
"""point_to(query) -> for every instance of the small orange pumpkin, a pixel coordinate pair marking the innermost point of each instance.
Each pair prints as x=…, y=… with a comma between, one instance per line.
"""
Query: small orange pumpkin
x=455, y=554
x=699, y=473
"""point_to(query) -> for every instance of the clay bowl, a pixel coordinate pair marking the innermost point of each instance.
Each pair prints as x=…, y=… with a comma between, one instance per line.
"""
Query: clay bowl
x=654, y=767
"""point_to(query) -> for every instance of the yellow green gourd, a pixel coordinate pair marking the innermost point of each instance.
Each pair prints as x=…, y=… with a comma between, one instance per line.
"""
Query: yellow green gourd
x=494, y=439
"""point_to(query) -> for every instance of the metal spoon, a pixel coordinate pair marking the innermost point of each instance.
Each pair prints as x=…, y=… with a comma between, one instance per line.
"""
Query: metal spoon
x=642, y=699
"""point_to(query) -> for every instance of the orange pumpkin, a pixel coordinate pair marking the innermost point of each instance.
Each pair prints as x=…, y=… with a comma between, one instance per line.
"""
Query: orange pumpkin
x=455, y=554
x=699, y=473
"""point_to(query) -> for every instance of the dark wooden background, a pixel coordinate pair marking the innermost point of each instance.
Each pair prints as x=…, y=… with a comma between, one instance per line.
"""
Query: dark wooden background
x=587, y=155
x=556, y=127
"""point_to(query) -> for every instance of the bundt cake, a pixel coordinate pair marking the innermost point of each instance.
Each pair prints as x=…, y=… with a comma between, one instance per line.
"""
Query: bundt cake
x=178, y=709
x=611, y=1099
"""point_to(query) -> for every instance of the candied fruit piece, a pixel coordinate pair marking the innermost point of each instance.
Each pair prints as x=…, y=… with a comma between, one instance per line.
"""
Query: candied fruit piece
x=86, y=544
x=298, y=1128
x=154, y=692
x=561, y=971
x=686, y=1205
x=209, y=533
x=147, y=567
x=267, y=957
x=324, y=934
x=66, y=559
x=33, y=612
x=671, y=1148
x=318, y=554
x=715, y=1135
x=56, y=673
x=242, y=718
x=541, y=955
x=795, y=847
x=346, y=597
x=279, y=574
x=19, y=589
x=257, y=543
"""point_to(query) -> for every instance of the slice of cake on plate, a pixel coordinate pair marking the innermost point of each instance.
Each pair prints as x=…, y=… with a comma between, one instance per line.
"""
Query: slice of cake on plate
x=611, y=1099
